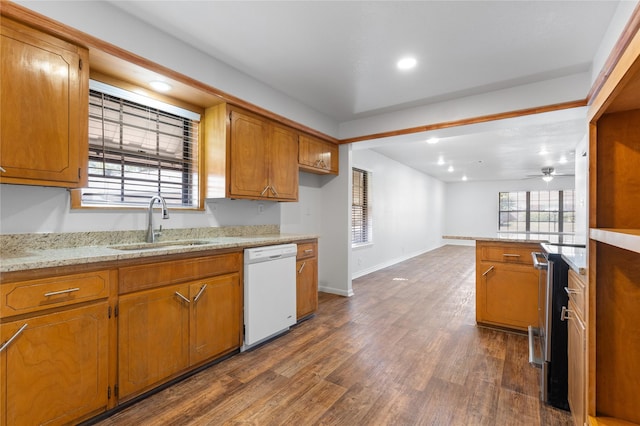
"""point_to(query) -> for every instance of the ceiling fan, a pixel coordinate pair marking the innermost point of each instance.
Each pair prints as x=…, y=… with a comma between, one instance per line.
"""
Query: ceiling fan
x=548, y=173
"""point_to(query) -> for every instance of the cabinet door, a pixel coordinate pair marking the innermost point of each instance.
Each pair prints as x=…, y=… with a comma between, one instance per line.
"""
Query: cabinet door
x=306, y=287
x=283, y=160
x=153, y=337
x=576, y=349
x=44, y=103
x=248, y=168
x=56, y=370
x=507, y=295
x=216, y=317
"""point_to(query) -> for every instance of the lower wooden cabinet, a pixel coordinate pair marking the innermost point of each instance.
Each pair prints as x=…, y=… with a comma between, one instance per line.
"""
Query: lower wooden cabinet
x=577, y=354
x=55, y=371
x=153, y=337
x=306, y=279
x=216, y=322
x=165, y=331
x=576, y=348
x=506, y=285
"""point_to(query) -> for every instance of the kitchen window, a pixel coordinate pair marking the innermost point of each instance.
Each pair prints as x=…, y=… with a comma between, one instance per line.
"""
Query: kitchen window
x=360, y=215
x=140, y=147
x=537, y=211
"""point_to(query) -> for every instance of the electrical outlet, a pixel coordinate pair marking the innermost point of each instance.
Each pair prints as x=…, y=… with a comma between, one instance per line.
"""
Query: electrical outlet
x=260, y=208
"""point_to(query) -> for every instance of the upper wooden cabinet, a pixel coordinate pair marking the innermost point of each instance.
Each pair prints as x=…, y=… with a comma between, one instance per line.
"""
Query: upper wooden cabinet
x=317, y=156
x=249, y=156
x=44, y=104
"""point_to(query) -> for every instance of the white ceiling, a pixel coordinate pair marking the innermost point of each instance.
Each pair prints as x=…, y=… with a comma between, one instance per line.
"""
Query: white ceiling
x=339, y=58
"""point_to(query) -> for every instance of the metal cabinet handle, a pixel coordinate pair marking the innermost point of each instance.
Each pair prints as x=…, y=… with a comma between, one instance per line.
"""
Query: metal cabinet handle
x=487, y=271
x=182, y=297
x=571, y=291
x=56, y=293
x=510, y=255
x=273, y=189
x=195, y=299
x=12, y=338
x=2, y=169
x=565, y=314
x=536, y=263
x=266, y=188
x=308, y=251
x=302, y=267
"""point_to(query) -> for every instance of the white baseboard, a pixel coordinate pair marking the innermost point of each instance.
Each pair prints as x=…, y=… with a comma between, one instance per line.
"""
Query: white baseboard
x=390, y=262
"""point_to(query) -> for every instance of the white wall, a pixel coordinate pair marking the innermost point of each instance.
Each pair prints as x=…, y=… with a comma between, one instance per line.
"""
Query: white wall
x=472, y=207
x=407, y=209
x=30, y=209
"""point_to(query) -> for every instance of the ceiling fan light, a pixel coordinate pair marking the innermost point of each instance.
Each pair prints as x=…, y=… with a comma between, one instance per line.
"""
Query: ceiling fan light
x=547, y=178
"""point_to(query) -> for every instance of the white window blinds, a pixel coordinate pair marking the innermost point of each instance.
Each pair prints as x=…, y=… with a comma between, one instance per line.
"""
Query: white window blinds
x=139, y=147
x=360, y=221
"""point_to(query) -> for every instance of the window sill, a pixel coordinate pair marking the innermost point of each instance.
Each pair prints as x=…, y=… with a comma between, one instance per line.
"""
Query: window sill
x=361, y=245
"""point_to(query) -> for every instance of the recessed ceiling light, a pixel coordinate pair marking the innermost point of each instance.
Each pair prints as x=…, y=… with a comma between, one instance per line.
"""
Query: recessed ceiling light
x=464, y=177
x=440, y=161
x=543, y=151
x=450, y=169
x=563, y=160
x=406, y=63
x=433, y=140
x=160, y=86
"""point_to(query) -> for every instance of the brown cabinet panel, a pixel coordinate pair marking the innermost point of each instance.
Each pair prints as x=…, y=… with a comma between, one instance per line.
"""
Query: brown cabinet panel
x=30, y=296
x=507, y=295
x=306, y=287
x=216, y=321
x=306, y=250
x=140, y=277
x=317, y=156
x=577, y=368
x=509, y=253
x=249, y=150
x=283, y=163
x=56, y=370
x=153, y=337
x=44, y=103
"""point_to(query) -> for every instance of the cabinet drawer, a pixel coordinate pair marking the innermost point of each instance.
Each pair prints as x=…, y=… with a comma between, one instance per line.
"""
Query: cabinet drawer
x=306, y=250
x=576, y=290
x=509, y=253
x=30, y=296
x=134, y=278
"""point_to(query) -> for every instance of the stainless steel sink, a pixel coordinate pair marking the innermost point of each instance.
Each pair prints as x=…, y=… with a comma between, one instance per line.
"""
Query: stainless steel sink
x=159, y=244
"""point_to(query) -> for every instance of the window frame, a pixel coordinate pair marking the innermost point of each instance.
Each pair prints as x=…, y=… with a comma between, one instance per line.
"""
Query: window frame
x=366, y=221
x=559, y=223
x=168, y=106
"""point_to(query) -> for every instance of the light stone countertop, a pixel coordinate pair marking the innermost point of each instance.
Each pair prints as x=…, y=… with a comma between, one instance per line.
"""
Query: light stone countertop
x=20, y=252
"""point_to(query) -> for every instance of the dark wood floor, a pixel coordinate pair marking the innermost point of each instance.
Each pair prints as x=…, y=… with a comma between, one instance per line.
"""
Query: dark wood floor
x=405, y=350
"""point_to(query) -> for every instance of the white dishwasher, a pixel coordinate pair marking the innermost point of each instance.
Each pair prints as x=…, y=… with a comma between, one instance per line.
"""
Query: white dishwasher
x=269, y=292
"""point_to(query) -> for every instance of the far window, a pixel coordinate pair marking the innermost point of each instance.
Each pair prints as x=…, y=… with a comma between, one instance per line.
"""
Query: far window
x=360, y=218
x=139, y=147
x=537, y=211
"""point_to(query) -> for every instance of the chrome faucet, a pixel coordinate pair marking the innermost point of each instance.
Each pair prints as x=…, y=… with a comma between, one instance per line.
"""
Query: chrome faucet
x=151, y=233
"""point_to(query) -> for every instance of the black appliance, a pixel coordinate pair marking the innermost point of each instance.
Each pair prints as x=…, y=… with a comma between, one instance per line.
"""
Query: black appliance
x=550, y=334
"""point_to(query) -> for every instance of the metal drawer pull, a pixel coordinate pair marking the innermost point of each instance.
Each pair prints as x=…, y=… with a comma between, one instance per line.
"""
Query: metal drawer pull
x=182, y=297
x=308, y=251
x=571, y=291
x=12, y=338
x=487, y=271
x=55, y=293
x=195, y=299
x=565, y=314
x=302, y=267
x=510, y=255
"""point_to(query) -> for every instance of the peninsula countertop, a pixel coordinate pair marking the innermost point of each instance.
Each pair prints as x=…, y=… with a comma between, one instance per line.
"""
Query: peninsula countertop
x=78, y=250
